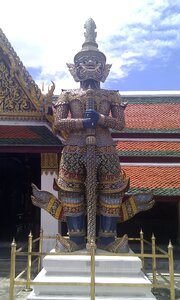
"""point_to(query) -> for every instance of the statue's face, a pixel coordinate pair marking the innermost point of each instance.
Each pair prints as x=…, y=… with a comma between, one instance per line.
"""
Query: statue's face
x=89, y=67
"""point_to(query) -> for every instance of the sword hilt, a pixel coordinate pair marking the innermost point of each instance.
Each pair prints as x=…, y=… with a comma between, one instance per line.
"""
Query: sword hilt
x=90, y=104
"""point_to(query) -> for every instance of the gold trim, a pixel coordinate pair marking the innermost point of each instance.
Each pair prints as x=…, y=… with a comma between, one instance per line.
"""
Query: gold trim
x=133, y=205
x=20, y=96
x=58, y=211
x=125, y=212
x=49, y=162
x=51, y=203
x=19, y=72
x=102, y=204
x=72, y=205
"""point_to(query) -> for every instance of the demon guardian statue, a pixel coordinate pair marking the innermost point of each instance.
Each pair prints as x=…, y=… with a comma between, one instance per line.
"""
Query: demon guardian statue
x=90, y=180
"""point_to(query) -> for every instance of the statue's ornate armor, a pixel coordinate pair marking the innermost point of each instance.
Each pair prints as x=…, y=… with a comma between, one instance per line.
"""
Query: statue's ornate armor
x=72, y=173
x=89, y=151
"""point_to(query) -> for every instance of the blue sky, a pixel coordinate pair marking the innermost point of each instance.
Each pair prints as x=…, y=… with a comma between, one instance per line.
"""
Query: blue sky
x=141, y=38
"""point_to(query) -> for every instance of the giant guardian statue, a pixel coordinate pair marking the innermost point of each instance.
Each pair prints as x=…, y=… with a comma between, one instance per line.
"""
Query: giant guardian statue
x=91, y=183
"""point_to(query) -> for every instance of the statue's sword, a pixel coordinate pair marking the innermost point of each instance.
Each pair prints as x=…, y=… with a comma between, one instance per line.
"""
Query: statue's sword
x=91, y=181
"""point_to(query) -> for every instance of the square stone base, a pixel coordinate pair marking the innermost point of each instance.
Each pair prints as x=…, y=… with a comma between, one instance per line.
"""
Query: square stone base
x=67, y=271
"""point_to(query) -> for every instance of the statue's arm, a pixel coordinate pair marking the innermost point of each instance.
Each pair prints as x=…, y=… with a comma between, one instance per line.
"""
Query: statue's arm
x=116, y=120
x=61, y=120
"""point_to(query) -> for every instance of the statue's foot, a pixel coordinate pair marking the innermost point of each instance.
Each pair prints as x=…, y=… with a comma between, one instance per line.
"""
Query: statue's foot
x=66, y=245
x=120, y=245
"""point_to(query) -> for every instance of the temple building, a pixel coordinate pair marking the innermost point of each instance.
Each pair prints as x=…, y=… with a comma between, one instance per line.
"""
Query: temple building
x=148, y=149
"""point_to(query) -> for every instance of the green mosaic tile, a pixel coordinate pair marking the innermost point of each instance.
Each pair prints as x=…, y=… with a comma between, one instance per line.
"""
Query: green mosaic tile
x=149, y=153
x=157, y=191
x=152, y=100
x=151, y=130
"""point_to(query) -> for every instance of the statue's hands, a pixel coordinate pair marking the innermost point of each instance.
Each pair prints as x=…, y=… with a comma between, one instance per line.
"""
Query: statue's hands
x=93, y=116
x=87, y=123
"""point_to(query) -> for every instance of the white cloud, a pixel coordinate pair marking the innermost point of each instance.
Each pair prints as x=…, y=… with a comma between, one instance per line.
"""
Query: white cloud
x=47, y=34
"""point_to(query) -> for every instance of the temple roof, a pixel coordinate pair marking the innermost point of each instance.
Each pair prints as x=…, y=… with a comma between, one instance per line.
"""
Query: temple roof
x=21, y=103
x=147, y=114
x=169, y=149
x=157, y=148
x=20, y=96
x=28, y=139
x=162, y=179
x=149, y=146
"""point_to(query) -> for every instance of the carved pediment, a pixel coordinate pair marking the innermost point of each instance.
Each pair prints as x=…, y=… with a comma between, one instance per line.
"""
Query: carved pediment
x=19, y=94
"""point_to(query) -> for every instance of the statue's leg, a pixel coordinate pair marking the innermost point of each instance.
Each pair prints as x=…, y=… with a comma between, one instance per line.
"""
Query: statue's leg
x=71, y=183
x=76, y=229
x=108, y=240
x=109, y=215
x=73, y=209
x=112, y=186
x=107, y=229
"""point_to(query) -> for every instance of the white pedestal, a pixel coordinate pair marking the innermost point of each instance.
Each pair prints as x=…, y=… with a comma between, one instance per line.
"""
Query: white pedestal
x=75, y=269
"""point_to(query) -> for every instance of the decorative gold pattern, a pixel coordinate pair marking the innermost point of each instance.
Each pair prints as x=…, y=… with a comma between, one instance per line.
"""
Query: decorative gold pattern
x=13, y=99
x=49, y=162
x=20, y=97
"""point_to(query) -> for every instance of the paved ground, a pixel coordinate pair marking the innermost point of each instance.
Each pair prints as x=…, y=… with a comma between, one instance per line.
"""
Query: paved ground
x=22, y=295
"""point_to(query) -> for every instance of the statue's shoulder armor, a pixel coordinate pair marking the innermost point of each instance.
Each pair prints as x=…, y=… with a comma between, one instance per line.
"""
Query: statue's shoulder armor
x=68, y=95
x=112, y=96
x=62, y=99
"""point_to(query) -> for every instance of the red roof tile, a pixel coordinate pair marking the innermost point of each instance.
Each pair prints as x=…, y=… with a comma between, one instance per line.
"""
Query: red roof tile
x=157, y=116
x=13, y=132
x=27, y=135
x=148, y=146
x=153, y=176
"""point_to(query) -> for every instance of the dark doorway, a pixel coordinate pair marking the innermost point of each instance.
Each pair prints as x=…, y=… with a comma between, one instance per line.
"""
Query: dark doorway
x=161, y=220
x=18, y=216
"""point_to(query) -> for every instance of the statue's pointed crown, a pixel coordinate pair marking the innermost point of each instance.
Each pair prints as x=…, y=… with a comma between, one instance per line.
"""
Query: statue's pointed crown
x=89, y=51
x=90, y=36
x=90, y=40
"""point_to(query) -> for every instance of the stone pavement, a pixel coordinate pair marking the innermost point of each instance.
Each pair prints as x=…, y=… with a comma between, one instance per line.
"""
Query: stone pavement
x=162, y=294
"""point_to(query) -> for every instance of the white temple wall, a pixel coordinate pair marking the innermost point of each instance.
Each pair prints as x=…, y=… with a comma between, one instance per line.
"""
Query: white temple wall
x=49, y=224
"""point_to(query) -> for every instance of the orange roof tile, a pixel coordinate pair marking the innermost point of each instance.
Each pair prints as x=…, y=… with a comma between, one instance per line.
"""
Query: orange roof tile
x=13, y=132
x=159, y=116
x=153, y=177
x=27, y=135
x=148, y=146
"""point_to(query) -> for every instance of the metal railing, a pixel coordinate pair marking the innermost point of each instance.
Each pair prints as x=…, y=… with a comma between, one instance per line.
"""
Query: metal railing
x=35, y=257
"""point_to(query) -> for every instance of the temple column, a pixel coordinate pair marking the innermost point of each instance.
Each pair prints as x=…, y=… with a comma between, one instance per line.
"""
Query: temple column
x=49, y=225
